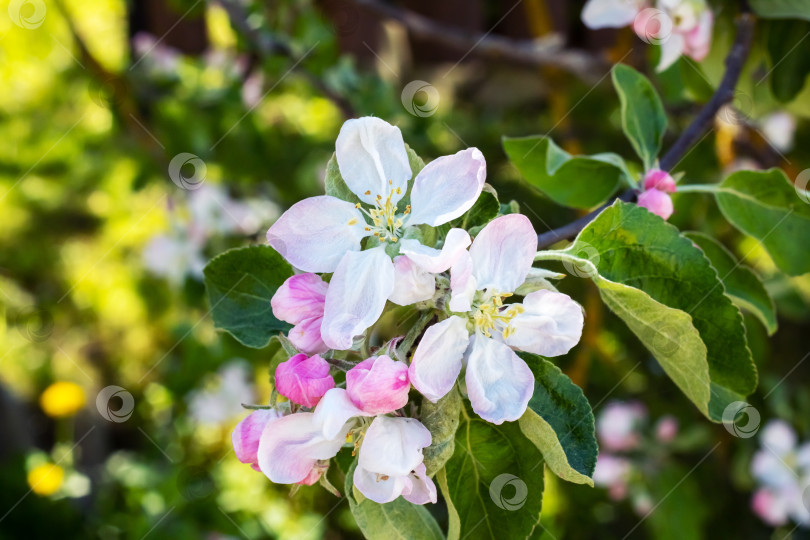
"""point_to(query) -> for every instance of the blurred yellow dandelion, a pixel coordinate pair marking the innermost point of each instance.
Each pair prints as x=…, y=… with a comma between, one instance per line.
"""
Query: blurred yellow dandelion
x=62, y=398
x=46, y=479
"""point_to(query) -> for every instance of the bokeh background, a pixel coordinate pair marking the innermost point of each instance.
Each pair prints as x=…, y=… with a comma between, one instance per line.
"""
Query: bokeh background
x=142, y=138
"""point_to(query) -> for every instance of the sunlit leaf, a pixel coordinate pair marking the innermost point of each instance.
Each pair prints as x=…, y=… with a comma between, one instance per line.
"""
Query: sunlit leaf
x=765, y=205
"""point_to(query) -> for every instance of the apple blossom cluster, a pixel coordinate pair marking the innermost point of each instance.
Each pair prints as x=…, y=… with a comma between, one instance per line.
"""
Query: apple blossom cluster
x=781, y=469
x=681, y=27
x=621, y=429
x=396, y=242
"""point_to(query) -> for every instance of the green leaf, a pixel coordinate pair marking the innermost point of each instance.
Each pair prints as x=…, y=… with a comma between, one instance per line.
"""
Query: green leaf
x=240, y=284
x=397, y=520
x=493, y=484
x=742, y=284
x=559, y=421
x=441, y=419
x=790, y=64
x=782, y=9
x=336, y=187
x=577, y=181
x=765, y=205
x=643, y=118
x=334, y=184
x=664, y=288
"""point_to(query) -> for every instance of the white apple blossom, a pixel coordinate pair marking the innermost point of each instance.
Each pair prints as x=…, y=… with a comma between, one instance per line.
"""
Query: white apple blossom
x=483, y=331
x=782, y=470
x=679, y=26
x=323, y=234
x=390, y=462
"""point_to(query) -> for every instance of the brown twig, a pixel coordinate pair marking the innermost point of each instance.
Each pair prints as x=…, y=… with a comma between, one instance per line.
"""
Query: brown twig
x=547, y=51
x=723, y=95
x=264, y=45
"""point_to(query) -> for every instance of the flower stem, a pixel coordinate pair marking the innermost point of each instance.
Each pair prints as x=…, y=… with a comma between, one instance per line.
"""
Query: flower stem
x=699, y=188
x=405, y=347
x=343, y=365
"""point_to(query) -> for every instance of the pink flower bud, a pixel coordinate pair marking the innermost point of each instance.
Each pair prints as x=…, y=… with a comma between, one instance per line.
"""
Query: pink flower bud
x=315, y=474
x=299, y=298
x=246, y=435
x=378, y=385
x=657, y=202
x=667, y=429
x=660, y=180
x=306, y=336
x=304, y=380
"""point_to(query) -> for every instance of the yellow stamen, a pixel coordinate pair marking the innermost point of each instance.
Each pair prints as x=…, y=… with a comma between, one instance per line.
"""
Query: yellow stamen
x=352, y=221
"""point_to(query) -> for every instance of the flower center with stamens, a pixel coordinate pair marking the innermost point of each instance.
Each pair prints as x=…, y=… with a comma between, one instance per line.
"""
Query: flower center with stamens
x=491, y=315
x=385, y=222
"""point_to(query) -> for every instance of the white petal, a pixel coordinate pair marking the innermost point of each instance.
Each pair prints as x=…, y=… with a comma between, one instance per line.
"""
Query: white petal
x=499, y=384
x=361, y=284
x=447, y=187
x=411, y=283
x=462, y=284
x=503, y=252
x=423, y=490
x=290, y=446
x=609, y=13
x=550, y=325
x=393, y=446
x=437, y=360
x=379, y=488
x=314, y=233
x=778, y=437
x=435, y=260
x=371, y=157
x=671, y=49
x=334, y=410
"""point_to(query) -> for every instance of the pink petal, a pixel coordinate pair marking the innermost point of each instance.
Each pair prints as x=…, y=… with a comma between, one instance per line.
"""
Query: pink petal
x=247, y=433
x=378, y=385
x=447, y=187
x=657, y=202
x=299, y=298
x=315, y=233
x=304, y=380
